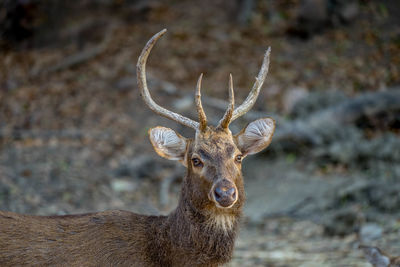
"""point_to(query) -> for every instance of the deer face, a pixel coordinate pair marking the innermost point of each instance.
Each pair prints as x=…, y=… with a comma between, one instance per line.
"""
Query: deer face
x=214, y=159
x=214, y=156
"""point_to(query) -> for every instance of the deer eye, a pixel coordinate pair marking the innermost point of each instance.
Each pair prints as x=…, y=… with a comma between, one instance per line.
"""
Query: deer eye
x=197, y=162
x=238, y=158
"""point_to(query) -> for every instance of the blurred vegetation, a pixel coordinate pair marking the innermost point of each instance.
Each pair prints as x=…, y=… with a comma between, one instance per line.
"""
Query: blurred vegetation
x=73, y=126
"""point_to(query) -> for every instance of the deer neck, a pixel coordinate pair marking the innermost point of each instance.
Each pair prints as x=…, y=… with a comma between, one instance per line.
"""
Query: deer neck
x=195, y=233
x=195, y=225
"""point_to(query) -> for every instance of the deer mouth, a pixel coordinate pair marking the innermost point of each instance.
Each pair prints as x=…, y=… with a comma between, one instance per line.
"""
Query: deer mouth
x=224, y=194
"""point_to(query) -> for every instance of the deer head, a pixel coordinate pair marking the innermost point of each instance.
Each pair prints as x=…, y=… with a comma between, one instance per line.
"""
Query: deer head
x=214, y=156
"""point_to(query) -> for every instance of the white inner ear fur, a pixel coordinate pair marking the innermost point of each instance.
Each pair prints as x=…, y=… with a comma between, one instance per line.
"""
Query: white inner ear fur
x=256, y=136
x=167, y=143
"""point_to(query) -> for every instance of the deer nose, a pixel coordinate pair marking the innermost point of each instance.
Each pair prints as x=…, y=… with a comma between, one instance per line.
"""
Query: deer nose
x=225, y=195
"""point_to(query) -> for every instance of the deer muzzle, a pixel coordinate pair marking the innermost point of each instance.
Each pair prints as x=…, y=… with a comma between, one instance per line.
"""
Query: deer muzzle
x=224, y=193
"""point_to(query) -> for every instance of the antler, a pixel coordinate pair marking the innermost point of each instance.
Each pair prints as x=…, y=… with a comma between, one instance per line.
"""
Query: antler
x=200, y=110
x=144, y=91
x=224, y=122
x=252, y=97
x=230, y=115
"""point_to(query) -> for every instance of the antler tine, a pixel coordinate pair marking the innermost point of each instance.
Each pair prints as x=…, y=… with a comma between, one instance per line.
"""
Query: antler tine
x=200, y=110
x=144, y=91
x=226, y=120
x=252, y=97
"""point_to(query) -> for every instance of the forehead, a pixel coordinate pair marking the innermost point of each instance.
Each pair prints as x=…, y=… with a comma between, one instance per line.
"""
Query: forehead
x=213, y=142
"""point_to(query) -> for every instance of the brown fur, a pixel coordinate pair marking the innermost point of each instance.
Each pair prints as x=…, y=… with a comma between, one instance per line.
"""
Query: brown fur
x=197, y=233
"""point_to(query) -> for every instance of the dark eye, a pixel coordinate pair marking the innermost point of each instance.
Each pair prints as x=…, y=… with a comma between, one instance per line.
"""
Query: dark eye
x=238, y=158
x=196, y=162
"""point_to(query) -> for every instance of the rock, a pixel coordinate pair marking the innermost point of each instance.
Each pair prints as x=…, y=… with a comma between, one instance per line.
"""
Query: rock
x=315, y=101
x=313, y=12
x=294, y=193
x=370, y=232
x=342, y=222
x=122, y=185
x=314, y=16
x=292, y=96
x=349, y=11
x=379, y=195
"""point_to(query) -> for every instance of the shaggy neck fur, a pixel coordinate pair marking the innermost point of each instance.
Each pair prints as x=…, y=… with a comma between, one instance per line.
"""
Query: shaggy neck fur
x=198, y=230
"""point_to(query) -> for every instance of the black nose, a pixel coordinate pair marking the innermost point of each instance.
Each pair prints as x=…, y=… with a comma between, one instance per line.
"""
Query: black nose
x=225, y=195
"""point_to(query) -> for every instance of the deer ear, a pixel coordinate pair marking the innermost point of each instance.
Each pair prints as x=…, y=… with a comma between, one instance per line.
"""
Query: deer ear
x=375, y=256
x=167, y=143
x=255, y=136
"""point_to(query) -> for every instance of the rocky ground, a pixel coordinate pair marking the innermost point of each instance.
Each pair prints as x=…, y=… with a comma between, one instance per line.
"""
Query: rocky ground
x=73, y=128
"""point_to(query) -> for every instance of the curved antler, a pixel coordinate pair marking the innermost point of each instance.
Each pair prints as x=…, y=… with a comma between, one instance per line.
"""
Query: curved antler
x=252, y=97
x=200, y=110
x=226, y=120
x=144, y=91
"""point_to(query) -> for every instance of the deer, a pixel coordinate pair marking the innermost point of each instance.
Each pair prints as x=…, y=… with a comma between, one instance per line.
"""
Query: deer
x=379, y=258
x=202, y=229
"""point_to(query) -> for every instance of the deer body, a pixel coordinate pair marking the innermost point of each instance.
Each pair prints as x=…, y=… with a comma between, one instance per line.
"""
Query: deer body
x=116, y=238
x=99, y=239
x=201, y=231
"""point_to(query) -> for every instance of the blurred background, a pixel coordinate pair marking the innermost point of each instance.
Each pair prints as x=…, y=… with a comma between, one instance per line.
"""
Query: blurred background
x=73, y=128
